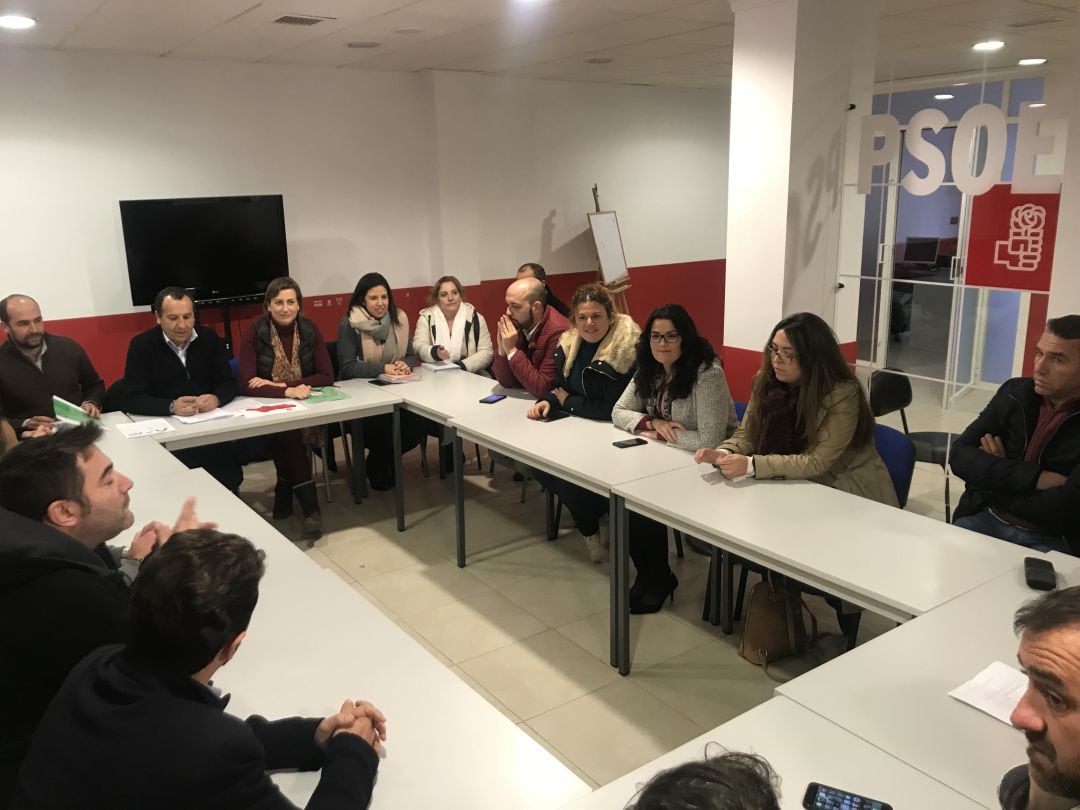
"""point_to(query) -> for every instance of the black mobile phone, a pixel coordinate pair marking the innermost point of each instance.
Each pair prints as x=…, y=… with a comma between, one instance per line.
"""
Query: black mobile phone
x=830, y=798
x=377, y=381
x=491, y=398
x=1039, y=574
x=629, y=442
x=555, y=416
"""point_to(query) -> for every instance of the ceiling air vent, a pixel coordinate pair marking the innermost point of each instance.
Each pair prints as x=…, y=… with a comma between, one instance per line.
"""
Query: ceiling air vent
x=297, y=19
x=1037, y=22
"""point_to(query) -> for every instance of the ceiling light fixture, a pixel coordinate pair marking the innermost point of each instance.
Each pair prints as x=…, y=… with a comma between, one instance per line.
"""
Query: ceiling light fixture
x=16, y=22
x=960, y=84
x=988, y=45
x=599, y=60
x=408, y=31
x=1032, y=62
x=1037, y=104
x=943, y=96
x=360, y=43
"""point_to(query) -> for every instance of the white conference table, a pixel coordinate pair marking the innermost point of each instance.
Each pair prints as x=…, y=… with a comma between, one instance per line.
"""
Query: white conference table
x=802, y=748
x=574, y=449
x=134, y=458
x=314, y=641
x=363, y=400
x=440, y=396
x=893, y=691
x=895, y=563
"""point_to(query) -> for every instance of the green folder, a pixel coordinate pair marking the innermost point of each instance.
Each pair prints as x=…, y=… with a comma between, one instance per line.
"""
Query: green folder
x=327, y=393
x=66, y=412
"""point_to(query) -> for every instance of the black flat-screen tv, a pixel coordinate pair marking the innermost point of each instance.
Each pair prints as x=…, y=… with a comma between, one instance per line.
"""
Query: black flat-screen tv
x=220, y=248
x=921, y=249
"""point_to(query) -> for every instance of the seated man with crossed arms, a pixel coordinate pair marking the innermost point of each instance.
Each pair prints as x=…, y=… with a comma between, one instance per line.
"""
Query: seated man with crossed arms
x=140, y=725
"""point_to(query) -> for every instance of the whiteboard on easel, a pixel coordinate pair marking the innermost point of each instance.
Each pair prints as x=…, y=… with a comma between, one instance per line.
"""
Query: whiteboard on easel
x=609, y=248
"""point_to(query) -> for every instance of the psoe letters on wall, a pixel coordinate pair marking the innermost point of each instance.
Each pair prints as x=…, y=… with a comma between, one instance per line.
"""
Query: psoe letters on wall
x=880, y=146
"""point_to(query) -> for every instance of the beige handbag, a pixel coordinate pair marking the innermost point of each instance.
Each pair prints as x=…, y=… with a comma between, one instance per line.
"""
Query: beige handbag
x=775, y=628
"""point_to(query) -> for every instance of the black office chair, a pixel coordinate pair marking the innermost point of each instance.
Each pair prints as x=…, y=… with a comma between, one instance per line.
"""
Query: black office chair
x=890, y=391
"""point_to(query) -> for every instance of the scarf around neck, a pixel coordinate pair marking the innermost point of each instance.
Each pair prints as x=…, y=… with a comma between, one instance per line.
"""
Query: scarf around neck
x=449, y=337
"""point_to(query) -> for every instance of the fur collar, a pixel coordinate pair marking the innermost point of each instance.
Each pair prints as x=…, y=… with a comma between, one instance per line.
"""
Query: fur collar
x=618, y=348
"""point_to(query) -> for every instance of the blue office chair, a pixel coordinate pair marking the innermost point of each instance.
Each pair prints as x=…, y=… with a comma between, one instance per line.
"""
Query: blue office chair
x=234, y=367
x=898, y=453
x=740, y=409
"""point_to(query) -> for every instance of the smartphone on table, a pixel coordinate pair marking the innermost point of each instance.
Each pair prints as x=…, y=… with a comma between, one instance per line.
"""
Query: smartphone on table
x=493, y=398
x=623, y=443
x=823, y=797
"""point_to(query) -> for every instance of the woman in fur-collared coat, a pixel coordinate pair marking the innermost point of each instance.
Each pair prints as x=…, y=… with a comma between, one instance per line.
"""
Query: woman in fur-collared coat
x=596, y=359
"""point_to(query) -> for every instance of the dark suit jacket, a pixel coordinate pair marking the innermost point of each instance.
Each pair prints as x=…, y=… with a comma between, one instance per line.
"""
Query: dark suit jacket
x=154, y=375
x=124, y=735
x=66, y=372
x=58, y=601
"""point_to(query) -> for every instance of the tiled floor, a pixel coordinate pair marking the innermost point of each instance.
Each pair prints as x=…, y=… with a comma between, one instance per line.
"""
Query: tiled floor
x=525, y=624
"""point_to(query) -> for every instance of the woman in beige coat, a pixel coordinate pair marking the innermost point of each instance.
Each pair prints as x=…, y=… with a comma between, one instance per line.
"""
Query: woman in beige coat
x=808, y=417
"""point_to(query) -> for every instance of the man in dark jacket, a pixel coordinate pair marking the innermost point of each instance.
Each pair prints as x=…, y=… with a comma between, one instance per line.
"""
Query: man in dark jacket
x=61, y=591
x=183, y=369
x=35, y=366
x=537, y=271
x=1020, y=459
x=525, y=340
x=1049, y=711
x=140, y=726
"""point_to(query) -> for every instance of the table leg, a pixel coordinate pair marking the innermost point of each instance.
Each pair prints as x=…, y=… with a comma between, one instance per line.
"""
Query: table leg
x=715, y=564
x=549, y=515
x=622, y=583
x=399, y=476
x=359, y=470
x=613, y=586
x=727, y=578
x=459, y=496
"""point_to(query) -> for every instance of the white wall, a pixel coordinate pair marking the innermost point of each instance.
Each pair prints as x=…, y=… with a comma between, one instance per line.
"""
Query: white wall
x=409, y=174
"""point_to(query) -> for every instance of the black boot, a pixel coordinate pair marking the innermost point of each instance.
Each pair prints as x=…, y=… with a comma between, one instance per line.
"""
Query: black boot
x=283, y=494
x=311, y=528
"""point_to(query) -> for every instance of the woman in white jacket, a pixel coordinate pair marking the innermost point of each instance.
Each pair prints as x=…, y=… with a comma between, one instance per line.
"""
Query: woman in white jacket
x=451, y=329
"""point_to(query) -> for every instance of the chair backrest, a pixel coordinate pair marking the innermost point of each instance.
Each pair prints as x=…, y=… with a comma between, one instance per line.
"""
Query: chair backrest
x=898, y=453
x=889, y=392
x=234, y=365
x=740, y=409
x=331, y=347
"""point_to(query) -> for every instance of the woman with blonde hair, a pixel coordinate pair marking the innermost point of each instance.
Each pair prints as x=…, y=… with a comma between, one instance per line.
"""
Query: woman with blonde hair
x=452, y=330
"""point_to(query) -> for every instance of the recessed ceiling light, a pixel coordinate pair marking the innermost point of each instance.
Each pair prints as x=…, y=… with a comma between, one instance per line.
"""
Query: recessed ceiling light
x=16, y=22
x=960, y=84
x=408, y=30
x=1037, y=104
x=599, y=60
x=943, y=96
x=988, y=45
x=1031, y=62
x=361, y=43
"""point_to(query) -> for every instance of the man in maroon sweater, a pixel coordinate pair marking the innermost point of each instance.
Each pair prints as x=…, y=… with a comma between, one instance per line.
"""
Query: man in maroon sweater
x=526, y=338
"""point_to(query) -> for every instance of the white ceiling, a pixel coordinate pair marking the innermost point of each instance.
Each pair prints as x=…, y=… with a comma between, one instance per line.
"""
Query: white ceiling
x=685, y=43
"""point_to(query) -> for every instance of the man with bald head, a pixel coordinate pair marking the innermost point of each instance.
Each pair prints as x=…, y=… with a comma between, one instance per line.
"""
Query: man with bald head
x=527, y=335
x=35, y=366
x=537, y=271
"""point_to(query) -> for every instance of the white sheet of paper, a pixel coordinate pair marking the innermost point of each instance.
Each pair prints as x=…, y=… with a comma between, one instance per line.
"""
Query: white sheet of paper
x=217, y=413
x=996, y=690
x=442, y=365
x=147, y=427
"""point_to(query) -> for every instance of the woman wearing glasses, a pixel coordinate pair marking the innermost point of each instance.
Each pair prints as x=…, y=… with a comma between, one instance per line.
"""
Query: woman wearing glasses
x=594, y=361
x=678, y=395
x=808, y=417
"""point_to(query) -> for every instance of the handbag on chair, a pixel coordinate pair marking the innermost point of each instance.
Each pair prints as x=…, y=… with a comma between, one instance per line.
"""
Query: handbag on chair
x=775, y=627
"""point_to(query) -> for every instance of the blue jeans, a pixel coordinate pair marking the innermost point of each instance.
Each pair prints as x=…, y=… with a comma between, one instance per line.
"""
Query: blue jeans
x=985, y=522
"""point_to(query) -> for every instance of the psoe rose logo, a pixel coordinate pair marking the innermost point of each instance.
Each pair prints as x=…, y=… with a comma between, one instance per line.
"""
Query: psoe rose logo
x=1023, y=249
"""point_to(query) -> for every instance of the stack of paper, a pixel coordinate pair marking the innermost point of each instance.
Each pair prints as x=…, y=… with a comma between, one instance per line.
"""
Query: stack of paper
x=145, y=427
x=442, y=365
x=393, y=378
